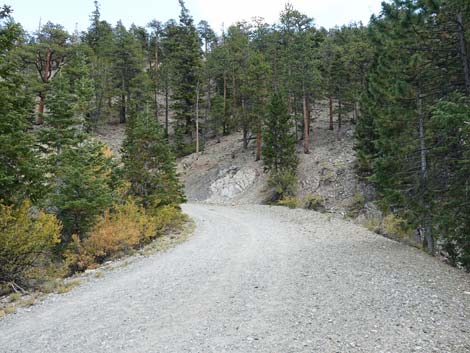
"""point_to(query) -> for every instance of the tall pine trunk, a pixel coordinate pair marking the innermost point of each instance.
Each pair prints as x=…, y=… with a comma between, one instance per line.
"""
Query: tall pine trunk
x=258, y=142
x=197, y=118
x=463, y=52
x=340, y=120
x=156, y=82
x=45, y=77
x=331, y=114
x=245, y=125
x=427, y=226
x=306, y=125
x=167, y=123
x=224, y=120
x=122, y=111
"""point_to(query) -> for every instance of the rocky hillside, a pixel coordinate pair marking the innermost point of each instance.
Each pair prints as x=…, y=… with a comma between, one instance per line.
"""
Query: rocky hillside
x=226, y=174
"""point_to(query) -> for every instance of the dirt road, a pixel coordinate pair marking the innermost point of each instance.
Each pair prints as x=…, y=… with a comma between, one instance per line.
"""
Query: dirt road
x=259, y=279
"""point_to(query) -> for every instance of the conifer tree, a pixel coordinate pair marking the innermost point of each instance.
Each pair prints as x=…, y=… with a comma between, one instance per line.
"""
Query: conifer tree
x=20, y=176
x=47, y=52
x=99, y=38
x=184, y=49
x=80, y=176
x=149, y=164
x=128, y=63
x=279, y=149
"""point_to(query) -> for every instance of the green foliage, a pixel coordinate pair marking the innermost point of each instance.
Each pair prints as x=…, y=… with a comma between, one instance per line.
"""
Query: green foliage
x=149, y=164
x=167, y=218
x=283, y=184
x=184, y=57
x=20, y=176
x=26, y=237
x=279, y=149
x=411, y=137
x=84, y=187
x=357, y=205
x=279, y=142
x=450, y=170
x=395, y=226
x=315, y=202
x=289, y=201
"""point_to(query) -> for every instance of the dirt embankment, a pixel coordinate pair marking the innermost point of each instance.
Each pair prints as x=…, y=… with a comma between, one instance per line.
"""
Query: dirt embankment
x=225, y=173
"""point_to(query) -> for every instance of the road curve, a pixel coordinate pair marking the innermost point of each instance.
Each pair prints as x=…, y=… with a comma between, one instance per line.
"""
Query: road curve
x=259, y=279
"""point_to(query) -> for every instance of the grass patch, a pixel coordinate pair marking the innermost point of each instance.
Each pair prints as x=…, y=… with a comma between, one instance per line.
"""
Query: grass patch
x=14, y=297
x=67, y=287
x=289, y=201
x=10, y=309
x=315, y=202
x=165, y=243
x=28, y=302
x=357, y=204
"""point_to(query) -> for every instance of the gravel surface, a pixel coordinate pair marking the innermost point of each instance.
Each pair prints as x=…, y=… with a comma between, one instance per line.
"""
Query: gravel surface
x=259, y=279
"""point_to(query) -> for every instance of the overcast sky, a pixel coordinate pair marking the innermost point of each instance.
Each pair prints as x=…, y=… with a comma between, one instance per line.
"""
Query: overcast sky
x=72, y=13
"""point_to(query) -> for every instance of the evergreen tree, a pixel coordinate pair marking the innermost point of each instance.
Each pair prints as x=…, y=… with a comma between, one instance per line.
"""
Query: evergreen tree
x=184, y=49
x=80, y=176
x=128, y=63
x=279, y=150
x=84, y=187
x=20, y=176
x=149, y=164
x=47, y=52
x=99, y=39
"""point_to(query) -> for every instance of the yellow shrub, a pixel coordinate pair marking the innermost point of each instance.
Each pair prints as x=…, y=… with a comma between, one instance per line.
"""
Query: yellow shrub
x=25, y=240
x=116, y=232
x=394, y=225
x=77, y=256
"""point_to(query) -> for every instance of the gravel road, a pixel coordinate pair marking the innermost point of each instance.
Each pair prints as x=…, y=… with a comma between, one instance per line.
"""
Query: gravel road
x=259, y=279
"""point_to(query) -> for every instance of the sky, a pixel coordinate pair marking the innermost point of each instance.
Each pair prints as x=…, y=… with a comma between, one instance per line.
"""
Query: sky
x=74, y=14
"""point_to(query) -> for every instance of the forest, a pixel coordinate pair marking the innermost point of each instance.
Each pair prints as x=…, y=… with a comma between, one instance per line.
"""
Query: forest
x=68, y=204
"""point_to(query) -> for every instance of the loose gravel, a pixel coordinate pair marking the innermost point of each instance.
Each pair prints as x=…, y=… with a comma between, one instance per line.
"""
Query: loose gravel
x=259, y=279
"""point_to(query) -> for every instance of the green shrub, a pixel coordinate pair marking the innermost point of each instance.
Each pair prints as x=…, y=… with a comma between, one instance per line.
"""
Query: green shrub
x=167, y=218
x=25, y=240
x=284, y=185
x=289, y=201
x=315, y=202
x=374, y=224
x=357, y=204
x=394, y=226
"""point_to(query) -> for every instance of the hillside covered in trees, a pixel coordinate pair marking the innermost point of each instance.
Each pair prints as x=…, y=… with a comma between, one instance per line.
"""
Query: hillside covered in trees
x=67, y=202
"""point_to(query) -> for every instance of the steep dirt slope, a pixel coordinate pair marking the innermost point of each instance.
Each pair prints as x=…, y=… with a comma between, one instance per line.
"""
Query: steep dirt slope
x=226, y=174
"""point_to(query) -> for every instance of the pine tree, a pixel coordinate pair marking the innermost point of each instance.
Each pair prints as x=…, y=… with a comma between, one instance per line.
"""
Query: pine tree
x=20, y=177
x=449, y=173
x=184, y=50
x=47, y=52
x=149, y=164
x=84, y=187
x=128, y=63
x=80, y=176
x=279, y=150
x=99, y=38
